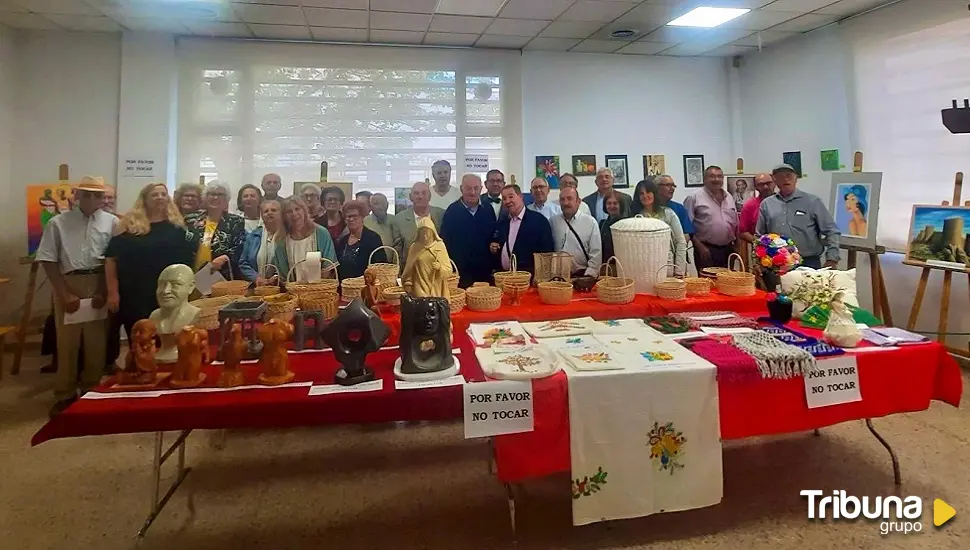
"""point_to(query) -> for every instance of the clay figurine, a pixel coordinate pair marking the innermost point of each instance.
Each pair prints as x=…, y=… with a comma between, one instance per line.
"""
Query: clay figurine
x=175, y=284
x=274, y=363
x=425, y=339
x=354, y=333
x=371, y=293
x=140, y=364
x=233, y=351
x=428, y=266
x=193, y=352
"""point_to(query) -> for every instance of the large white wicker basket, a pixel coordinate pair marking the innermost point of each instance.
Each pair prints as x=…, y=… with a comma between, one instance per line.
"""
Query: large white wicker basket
x=642, y=245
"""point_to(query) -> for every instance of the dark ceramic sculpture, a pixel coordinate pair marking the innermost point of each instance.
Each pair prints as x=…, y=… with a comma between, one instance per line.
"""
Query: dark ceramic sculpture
x=425, y=335
x=354, y=333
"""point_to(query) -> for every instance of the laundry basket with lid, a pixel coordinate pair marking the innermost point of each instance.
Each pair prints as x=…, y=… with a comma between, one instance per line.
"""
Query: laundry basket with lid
x=642, y=245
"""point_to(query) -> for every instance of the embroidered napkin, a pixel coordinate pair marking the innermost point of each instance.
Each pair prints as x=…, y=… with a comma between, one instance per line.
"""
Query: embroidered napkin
x=562, y=327
x=532, y=361
x=618, y=326
x=486, y=334
x=592, y=358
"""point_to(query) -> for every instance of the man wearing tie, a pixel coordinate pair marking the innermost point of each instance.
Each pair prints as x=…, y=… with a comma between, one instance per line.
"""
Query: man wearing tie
x=522, y=232
x=494, y=182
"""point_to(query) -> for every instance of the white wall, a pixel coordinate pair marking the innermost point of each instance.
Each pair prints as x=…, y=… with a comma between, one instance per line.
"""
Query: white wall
x=584, y=104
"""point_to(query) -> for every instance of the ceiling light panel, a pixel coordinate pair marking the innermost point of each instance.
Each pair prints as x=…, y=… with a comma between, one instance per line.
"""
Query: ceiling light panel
x=706, y=17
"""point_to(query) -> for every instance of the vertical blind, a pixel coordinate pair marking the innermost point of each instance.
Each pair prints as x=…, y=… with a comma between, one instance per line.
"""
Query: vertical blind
x=379, y=116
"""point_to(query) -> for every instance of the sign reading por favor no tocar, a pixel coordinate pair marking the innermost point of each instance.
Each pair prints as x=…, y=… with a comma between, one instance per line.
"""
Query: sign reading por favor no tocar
x=833, y=382
x=498, y=407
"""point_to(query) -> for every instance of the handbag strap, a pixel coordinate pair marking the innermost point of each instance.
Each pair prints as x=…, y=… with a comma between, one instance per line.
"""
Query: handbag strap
x=580, y=241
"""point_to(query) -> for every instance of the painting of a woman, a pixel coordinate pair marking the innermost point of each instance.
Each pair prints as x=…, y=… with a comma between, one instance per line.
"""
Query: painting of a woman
x=856, y=204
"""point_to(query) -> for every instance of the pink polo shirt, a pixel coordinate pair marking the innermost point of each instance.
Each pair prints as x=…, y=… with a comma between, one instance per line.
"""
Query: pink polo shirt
x=714, y=222
x=749, y=215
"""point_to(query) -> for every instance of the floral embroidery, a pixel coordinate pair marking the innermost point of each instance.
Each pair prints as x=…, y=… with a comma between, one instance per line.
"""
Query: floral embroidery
x=493, y=335
x=657, y=356
x=561, y=326
x=594, y=357
x=611, y=323
x=574, y=340
x=589, y=485
x=520, y=362
x=666, y=445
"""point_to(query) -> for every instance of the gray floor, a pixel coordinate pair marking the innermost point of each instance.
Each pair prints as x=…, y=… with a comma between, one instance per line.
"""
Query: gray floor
x=423, y=486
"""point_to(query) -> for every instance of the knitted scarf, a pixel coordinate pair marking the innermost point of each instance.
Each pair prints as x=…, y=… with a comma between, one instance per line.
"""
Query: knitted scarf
x=776, y=359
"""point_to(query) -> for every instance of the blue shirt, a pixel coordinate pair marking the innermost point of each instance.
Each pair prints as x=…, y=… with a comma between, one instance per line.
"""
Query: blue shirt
x=682, y=215
x=549, y=209
x=471, y=209
x=600, y=211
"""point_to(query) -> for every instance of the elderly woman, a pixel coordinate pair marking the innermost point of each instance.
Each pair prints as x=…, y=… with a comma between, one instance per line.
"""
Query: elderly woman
x=260, y=246
x=646, y=195
x=188, y=198
x=221, y=234
x=357, y=244
x=333, y=201
x=247, y=203
x=149, y=238
x=612, y=205
x=312, y=197
x=299, y=236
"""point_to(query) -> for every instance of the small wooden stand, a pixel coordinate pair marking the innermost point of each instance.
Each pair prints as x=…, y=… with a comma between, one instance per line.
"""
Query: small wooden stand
x=947, y=282
x=880, y=298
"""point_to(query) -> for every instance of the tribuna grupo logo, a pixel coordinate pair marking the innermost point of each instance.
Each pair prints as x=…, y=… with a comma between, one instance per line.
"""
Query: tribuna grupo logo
x=895, y=514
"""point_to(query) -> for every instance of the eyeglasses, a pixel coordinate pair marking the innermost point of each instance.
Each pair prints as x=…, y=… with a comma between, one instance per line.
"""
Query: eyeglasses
x=671, y=185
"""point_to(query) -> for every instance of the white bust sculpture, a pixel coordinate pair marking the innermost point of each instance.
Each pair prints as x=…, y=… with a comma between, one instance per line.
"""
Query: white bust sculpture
x=175, y=312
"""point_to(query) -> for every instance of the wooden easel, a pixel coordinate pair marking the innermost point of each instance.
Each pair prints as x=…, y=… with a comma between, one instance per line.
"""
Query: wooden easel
x=62, y=175
x=947, y=281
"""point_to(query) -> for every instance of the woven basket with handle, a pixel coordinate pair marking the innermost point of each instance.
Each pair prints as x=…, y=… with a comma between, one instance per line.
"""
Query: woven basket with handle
x=392, y=295
x=698, y=286
x=615, y=290
x=386, y=272
x=453, y=278
x=483, y=298
x=556, y=293
x=322, y=284
x=281, y=306
x=553, y=266
x=456, y=300
x=326, y=301
x=513, y=276
x=231, y=287
x=735, y=283
x=350, y=288
x=670, y=288
x=267, y=289
x=209, y=310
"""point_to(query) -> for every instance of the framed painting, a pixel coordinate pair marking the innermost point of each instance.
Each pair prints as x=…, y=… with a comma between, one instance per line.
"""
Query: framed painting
x=854, y=204
x=43, y=203
x=830, y=160
x=402, y=199
x=654, y=165
x=741, y=188
x=938, y=236
x=621, y=173
x=548, y=167
x=794, y=159
x=693, y=170
x=584, y=165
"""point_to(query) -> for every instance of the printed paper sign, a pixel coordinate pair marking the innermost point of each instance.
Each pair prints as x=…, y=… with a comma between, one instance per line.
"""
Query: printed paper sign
x=139, y=167
x=476, y=163
x=833, y=382
x=496, y=408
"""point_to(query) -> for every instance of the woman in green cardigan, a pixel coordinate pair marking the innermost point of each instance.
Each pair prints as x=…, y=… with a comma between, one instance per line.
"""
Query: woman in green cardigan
x=300, y=236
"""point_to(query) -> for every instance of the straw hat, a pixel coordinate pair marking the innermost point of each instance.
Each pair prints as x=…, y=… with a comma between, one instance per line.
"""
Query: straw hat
x=93, y=184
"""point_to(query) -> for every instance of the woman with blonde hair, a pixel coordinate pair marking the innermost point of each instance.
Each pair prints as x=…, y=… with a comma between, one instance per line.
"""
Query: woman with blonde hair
x=188, y=198
x=149, y=238
x=299, y=236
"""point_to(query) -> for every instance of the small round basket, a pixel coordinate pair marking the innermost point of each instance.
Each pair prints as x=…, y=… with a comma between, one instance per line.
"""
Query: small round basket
x=315, y=286
x=456, y=300
x=711, y=272
x=615, y=290
x=553, y=266
x=231, y=287
x=281, y=306
x=326, y=301
x=209, y=310
x=453, y=278
x=514, y=276
x=267, y=289
x=483, y=298
x=670, y=288
x=350, y=288
x=386, y=272
x=555, y=293
x=736, y=283
x=392, y=295
x=698, y=286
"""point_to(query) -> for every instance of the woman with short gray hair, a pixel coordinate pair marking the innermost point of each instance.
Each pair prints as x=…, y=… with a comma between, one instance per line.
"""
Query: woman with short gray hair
x=221, y=234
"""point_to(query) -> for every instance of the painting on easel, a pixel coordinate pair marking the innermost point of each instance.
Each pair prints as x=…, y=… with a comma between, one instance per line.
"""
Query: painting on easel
x=43, y=203
x=938, y=236
x=854, y=204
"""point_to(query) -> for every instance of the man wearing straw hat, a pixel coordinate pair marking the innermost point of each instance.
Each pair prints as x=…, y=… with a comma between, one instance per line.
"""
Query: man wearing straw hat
x=72, y=253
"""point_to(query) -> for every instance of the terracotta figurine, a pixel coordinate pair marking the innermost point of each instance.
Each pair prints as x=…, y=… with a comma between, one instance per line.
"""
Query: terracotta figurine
x=233, y=351
x=274, y=362
x=371, y=293
x=428, y=266
x=193, y=350
x=140, y=364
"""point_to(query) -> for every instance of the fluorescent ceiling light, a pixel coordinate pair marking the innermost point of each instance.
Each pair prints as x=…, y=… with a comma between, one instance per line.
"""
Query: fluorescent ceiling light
x=708, y=17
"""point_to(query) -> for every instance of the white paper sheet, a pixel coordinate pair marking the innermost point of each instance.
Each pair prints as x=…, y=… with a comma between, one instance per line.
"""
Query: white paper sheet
x=455, y=380
x=237, y=388
x=205, y=278
x=120, y=394
x=726, y=330
x=85, y=313
x=373, y=385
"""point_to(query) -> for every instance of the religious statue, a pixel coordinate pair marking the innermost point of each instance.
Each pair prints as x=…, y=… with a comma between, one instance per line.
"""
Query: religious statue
x=428, y=266
x=274, y=363
x=140, y=364
x=175, y=284
x=371, y=293
x=233, y=351
x=425, y=339
x=193, y=352
x=355, y=332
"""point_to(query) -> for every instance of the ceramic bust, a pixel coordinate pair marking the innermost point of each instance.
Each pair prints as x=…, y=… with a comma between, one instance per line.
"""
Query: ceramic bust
x=174, y=312
x=140, y=362
x=428, y=266
x=425, y=338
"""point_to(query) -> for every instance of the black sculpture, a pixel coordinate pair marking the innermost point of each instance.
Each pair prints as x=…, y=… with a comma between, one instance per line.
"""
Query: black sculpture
x=425, y=335
x=354, y=333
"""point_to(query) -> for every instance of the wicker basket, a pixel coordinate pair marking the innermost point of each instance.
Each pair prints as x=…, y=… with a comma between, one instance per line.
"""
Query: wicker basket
x=456, y=300
x=281, y=306
x=315, y=286
x=643, y=245
x=698, y=286
x=453, y=278
x=711, y=272
x=556, y=293
x=670, y=288
x=615, y=290
x=350, y=288
x=231, y=287
x=209, y=310
x=386, y=272
x=553, y=266
x=735, y=283
x=392, y=295
x=326, y=301
x=267, y=289
x=514, y=276
x=483, y=298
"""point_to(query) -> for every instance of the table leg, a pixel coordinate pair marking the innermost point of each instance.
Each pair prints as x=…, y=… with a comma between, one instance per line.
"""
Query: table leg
x=892, y=454
x=817, y=433
x=511, y=497
x=159, y=459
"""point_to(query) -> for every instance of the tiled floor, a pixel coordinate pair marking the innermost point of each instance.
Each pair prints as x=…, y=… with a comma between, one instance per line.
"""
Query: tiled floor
x=423, y=486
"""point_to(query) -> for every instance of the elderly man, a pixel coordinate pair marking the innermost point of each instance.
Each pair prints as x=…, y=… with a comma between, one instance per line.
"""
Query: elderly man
x=407, y=221
x=72, y=254
x=577, y=234
x=522, y=233
x=540, y=199
x=443, y=193
x=715, y=219
x=364, y=198
x=310, y=192
x=802, y=217
x=467, y=229
x=665, y=194
x=748, y=222
x=271, y=185
x=597, y=201
x=109, y=204
x=382, y=223
x=569, y=180
x=494, y=182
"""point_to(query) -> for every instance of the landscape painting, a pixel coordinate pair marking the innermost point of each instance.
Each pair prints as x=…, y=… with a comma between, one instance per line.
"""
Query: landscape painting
x=939, y=234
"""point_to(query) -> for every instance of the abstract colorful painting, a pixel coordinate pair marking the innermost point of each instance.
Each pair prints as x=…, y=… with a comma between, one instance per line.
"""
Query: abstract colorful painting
x=402, y=199
x=548, y=167
x=654, y=165
x=830, y=160
x=43, y=203
x=794, y=159
x=584, y=165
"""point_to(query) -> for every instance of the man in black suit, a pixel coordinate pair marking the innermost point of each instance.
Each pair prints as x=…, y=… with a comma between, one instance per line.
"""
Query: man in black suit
x=522, y=233
x=467, y=228
x=494, y=182
x=597, y=200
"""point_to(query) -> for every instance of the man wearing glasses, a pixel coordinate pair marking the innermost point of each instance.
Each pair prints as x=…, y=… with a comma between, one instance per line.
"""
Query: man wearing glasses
x=494, y=182
x=540, y=199
x=666, y=188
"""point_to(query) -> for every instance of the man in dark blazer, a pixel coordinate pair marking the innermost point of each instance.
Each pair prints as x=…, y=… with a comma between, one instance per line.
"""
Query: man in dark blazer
x=597, y=200
x=467, y=228
x=494, y=183
x=408, y=219
x=522, y=233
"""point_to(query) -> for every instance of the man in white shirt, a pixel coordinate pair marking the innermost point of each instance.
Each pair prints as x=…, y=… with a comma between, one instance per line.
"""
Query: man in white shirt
x=578, y=234
x=494, y=183
x=540, y=199
x=72, y=254
x=569, y=180
x=443, y=193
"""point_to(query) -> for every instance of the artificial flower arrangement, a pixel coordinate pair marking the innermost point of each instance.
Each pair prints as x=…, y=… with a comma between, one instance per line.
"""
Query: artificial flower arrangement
x=777, y=255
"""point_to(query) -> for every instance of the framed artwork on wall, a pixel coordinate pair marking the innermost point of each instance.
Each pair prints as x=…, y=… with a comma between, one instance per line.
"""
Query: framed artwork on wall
x=654, y=165
x=938, y=236
x=584, y=165
x=621, y=172
x=741, y=188
x=830, y=160
x=402, y=199
x=694, y=170
x=548, y=167
x=794, y=159
x=854, y=204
